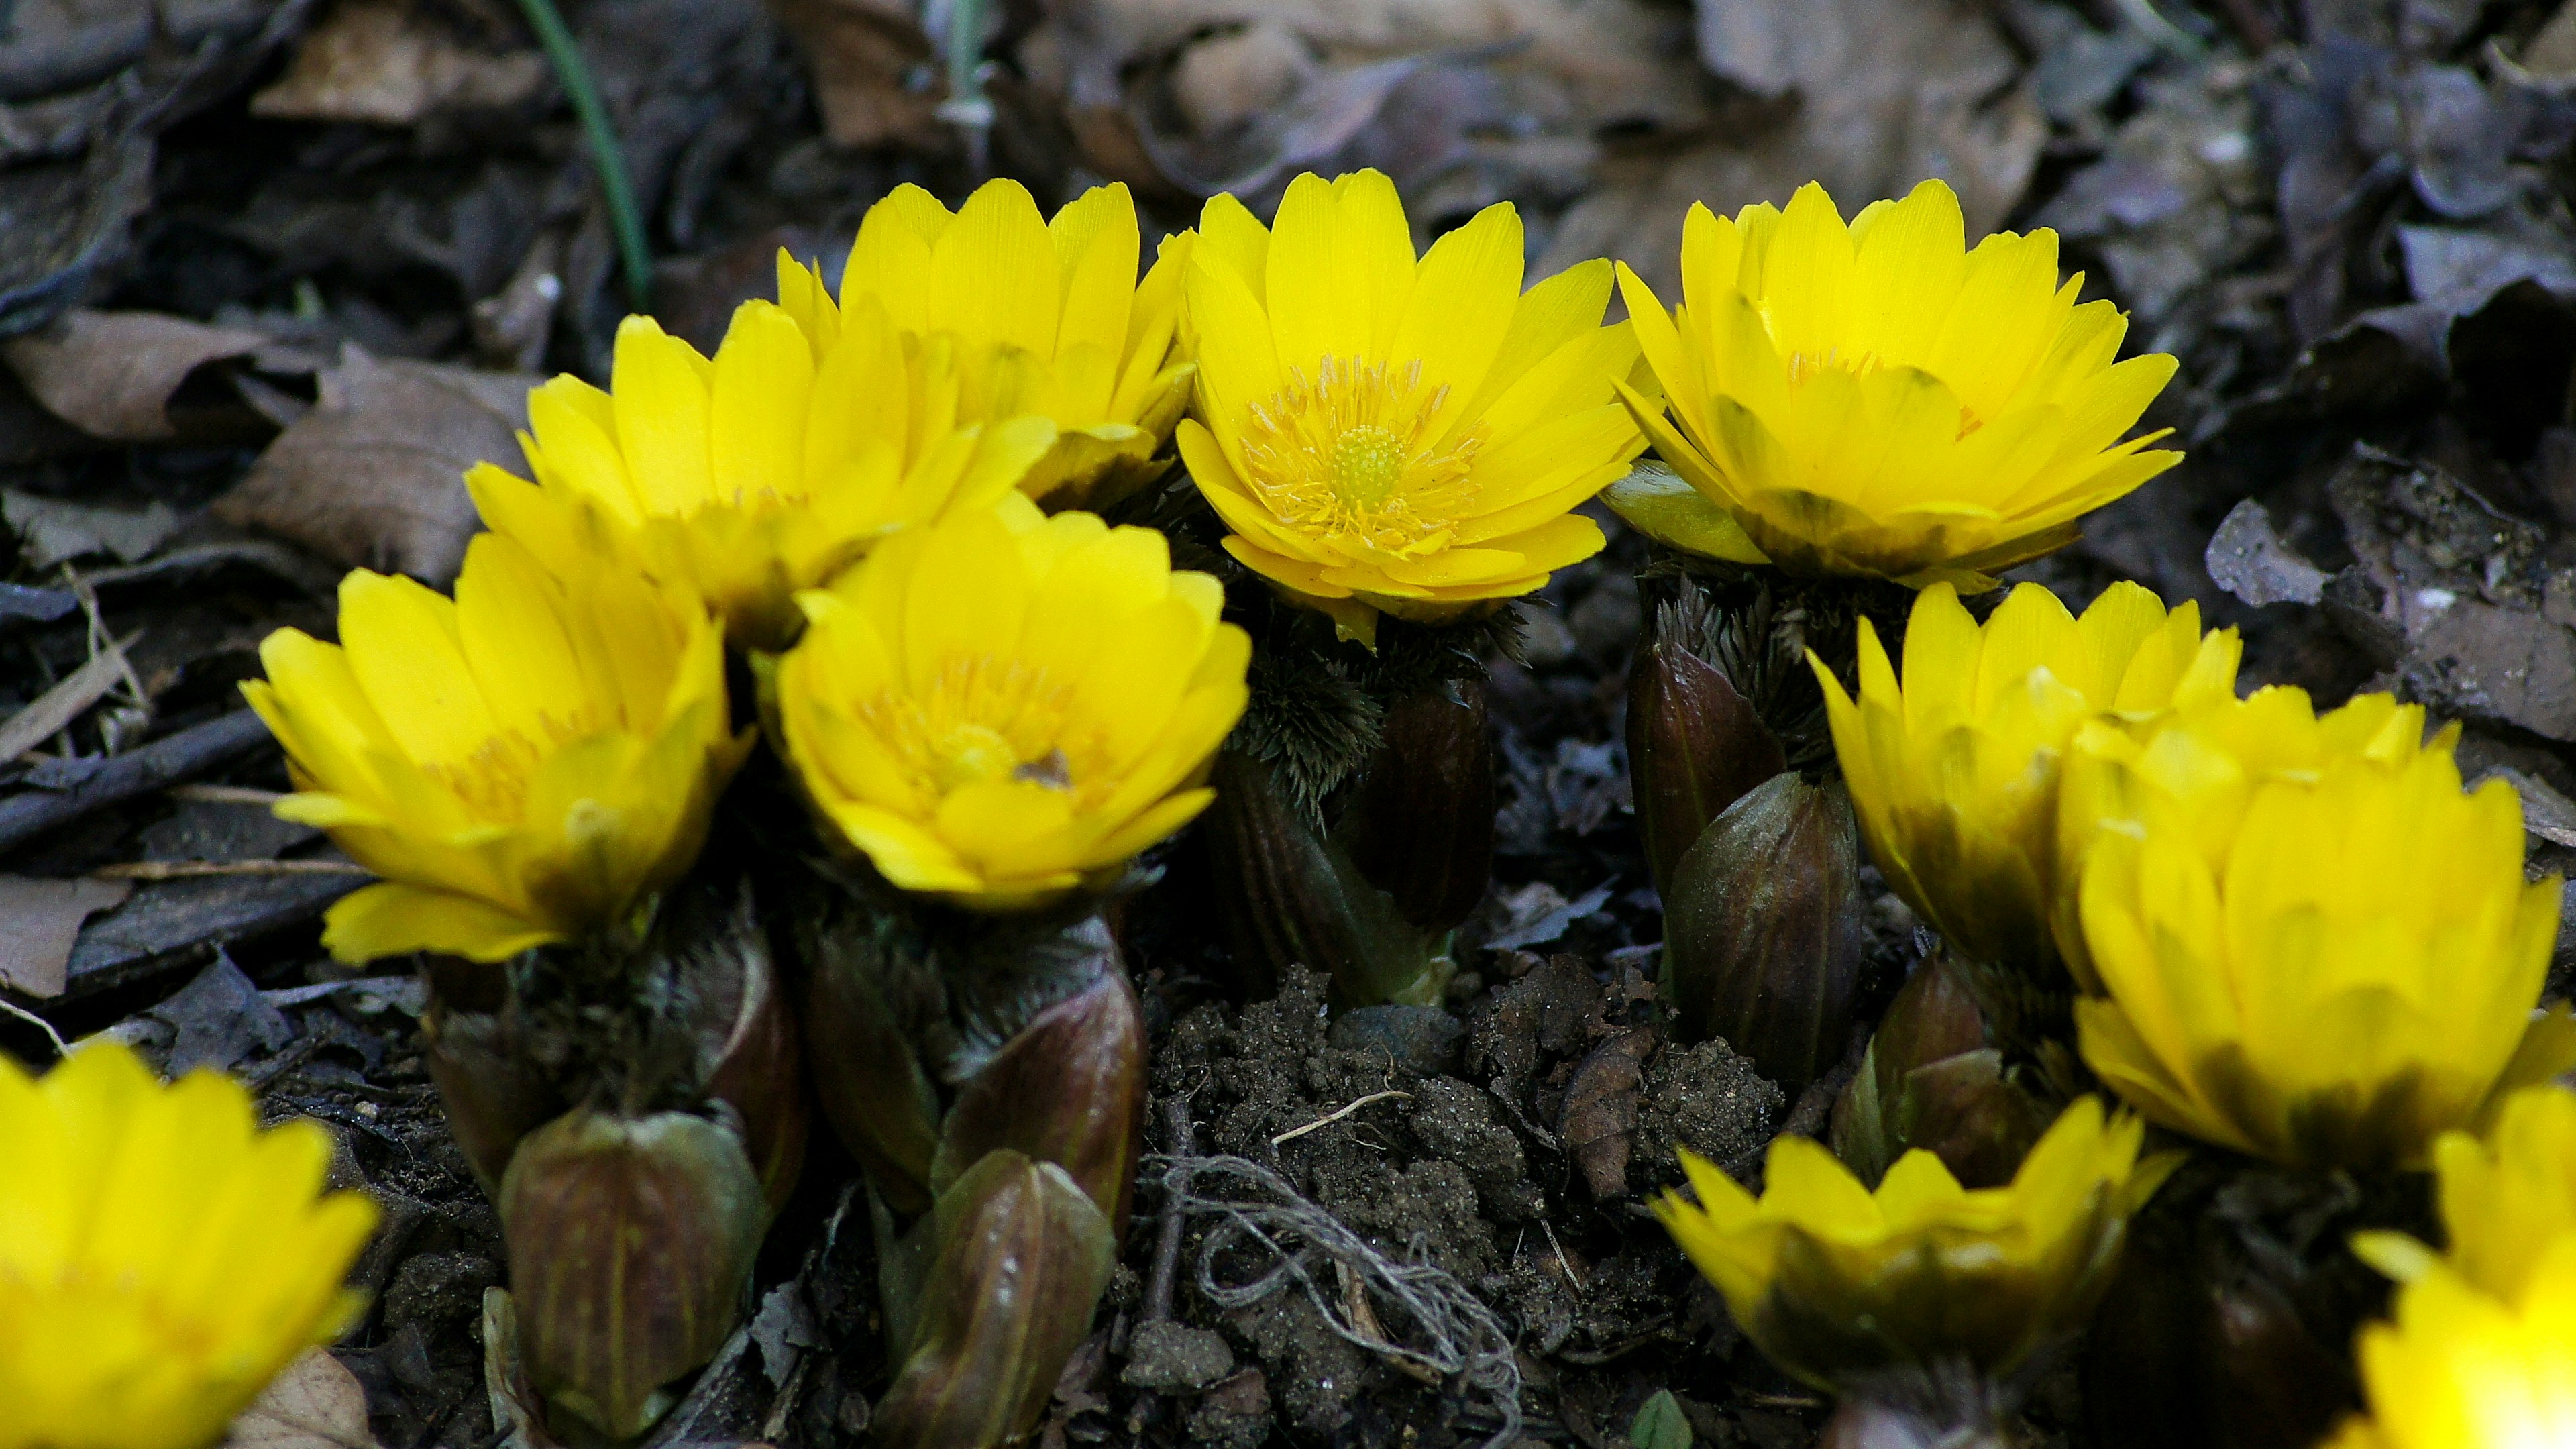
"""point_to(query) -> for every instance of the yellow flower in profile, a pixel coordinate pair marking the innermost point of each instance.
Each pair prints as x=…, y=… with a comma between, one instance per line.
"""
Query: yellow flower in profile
x=1879, y=399
x=2312, y=946
x=1954, y=767
x=1007, y=706
x=161, y=1259
x=1383, y=434
x=527, y=763
x=1837, y=1283
x=761, y=472
x=2461, y=1368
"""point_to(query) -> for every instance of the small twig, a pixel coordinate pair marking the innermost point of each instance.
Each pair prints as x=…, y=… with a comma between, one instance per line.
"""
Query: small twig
x=224, y=794
x=1563, y=1265
x=285, y=1062
x=1293, y=1133
x=616, y=187
x=103, y=642
x=61, y=1048
x=195, y=869
x=31, y=813
x=1160, y=1286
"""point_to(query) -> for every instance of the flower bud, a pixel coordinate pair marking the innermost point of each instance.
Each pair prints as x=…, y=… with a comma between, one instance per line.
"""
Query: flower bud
x=1289, y=897
x=1762, y=930
x=1023, y=1254
x=747, y=1055
x=1930, y=1081
x=1420, y=820
x=489, y=1082
x=1068, y=1089
x=1695, y=746
x=867, y=1074
x=630, y=1239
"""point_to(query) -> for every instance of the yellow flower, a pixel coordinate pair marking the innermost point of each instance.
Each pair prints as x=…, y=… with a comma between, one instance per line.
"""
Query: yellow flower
x=759, y=473
x=2464, y=1369
x=1954, y=771
x=1006, y=706
x=527, y=763
x=1835, y=1282
x=1878, y=399
x=1387, y=435
x=160, y=1258
x=2313, y=946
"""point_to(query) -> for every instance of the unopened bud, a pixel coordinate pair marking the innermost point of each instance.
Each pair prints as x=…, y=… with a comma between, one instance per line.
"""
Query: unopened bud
x=492, y=1088
x=1930, y=1081
x=1420, y=820
x=1694, y=747
x=1289, y=897
x=630, y=1239
x=1022, y=1256
x=867, y=1074
x=1762, y=929
x=1068, y=1088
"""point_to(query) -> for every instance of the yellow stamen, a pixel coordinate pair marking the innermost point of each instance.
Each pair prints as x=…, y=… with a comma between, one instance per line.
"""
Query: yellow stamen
x=984, y=718
x=1356, y=457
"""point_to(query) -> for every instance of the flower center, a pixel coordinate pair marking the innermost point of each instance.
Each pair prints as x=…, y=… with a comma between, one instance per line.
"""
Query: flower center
x=984, y=718
x=1804, y=365
x=1357, y=457
x=492, y=781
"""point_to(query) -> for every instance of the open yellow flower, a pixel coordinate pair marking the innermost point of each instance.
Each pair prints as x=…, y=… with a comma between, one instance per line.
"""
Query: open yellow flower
x=2461, y=1368
x=2313, y=947
x=1036, y=316
x=1954, y=767
x=1007, y=706
x=1390, y=435
x=1877, y=398
x=1837, y=1283
x=528, y=763
x=763, y=471
x=161, y=1259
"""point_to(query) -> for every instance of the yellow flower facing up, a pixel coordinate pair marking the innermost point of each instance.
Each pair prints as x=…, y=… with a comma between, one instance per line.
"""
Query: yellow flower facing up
x=1838, y=1284
x=527, y=763
x=1879, y=399
x=763, y=471
x=1007, y=706
x=1954, y=767
x=2312, y=946
x=2461, y=1368
x=161, y=1259
x=1383, y=434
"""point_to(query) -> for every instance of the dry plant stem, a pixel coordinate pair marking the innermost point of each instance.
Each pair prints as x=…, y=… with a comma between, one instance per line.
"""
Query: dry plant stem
x=1329, y=1118
x=1260, y=1214
x=30, y=813
x=1167, y=1231
x=615, y=187
x=196, y=869
x=101, y=641
x=61, y=1047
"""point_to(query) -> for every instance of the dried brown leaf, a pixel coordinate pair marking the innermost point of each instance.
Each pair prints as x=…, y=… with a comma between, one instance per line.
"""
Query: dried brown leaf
x=374, y=475
x=375, y=60
x=59, y=706
x=1888, y=93
x=1599, y=1122
x=112, y=374
x=315, y=1404
x=866, y=57
x=39, y=921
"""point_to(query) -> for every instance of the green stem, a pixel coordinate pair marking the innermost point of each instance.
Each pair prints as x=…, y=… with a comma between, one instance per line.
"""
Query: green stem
x=605, y=154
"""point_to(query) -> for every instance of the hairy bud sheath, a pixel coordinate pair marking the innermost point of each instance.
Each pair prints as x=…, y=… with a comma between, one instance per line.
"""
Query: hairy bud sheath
x=1695, y=746
x=1762, y=931
x=629, y=1238
x=1420, y=821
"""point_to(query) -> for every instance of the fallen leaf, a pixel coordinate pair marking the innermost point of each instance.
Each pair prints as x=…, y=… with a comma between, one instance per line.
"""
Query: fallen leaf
x=375, y=60
x=57, y=707
x=220, y=1017
x=39, y=922
x=1887, y=93
x=1540, y=914
x=871, y=65
x=50, y=530
x=1598, y=1123
x=112, y=374
x=374, y=475
x=315, y=1404
x=2249, y=559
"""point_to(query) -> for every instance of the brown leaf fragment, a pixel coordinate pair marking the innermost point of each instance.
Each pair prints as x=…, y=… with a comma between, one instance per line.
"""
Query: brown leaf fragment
x=871, y=67
x=379, y=61
x=39, y=921
x=315, y=1404
x=374, y=475
x=1599, y=1122
x=112, y=374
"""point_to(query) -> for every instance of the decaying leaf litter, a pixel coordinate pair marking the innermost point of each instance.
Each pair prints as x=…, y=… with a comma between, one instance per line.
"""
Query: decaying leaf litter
x=279, y=271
